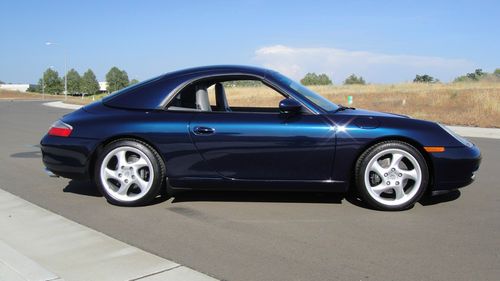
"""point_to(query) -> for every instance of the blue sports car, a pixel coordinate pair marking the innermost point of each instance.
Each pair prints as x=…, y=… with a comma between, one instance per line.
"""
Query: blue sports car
x=248, y=128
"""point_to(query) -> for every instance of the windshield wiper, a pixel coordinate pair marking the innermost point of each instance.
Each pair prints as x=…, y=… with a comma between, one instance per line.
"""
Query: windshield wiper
x=342, y=107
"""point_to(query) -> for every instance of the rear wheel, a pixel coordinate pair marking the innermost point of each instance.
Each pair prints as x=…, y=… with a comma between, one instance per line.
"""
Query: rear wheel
x=129, y=173
x=391, y=176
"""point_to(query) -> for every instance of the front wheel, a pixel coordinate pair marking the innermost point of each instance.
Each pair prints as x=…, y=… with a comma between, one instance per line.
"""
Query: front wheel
x=391, y=176
x=129, y=173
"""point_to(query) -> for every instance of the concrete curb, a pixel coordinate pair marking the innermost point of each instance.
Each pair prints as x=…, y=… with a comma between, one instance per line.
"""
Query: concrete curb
x=60, y=104
x=475, y=132
x=15, y=266
x=36, y=244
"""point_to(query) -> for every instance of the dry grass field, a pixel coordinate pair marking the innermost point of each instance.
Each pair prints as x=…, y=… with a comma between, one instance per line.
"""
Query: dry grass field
x=466, y=104
x=15, y=95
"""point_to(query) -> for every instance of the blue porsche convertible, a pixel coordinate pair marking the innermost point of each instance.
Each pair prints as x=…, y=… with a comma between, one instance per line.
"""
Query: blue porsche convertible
x=205, y=128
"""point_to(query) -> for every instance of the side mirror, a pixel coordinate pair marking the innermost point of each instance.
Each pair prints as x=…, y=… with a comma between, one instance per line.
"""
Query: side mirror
x=288, y=106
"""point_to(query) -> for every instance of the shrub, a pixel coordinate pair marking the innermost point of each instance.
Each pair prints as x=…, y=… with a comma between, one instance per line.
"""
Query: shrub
x=424, y=79
x=315, y=79
x=353, y=79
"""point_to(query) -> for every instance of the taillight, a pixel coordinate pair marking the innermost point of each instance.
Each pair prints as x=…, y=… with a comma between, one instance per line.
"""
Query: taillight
x=60, y=129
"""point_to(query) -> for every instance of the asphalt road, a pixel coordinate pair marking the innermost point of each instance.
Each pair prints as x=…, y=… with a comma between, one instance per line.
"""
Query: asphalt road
x=273, y=236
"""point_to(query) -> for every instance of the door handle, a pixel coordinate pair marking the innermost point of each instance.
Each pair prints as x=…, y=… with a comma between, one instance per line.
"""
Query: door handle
x=203, y=131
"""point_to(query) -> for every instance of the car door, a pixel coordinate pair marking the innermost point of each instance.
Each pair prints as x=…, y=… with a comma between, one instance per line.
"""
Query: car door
x=265, y=146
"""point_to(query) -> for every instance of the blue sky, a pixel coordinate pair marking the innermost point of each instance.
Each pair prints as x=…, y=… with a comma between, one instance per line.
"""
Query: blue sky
x=384, y=41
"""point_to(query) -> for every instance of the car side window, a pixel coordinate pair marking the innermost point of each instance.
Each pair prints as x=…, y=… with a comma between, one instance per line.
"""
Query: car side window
x=243, y=96
x=185, y=100
x=228, y=94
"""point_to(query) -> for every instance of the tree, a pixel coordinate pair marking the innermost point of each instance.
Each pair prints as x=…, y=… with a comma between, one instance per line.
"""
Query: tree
x=53, y=84
x=462, y=78
x=315, y=79
x=323, y=79
x=37, y=88
x=353, y=79
x=74, y=82
x=424, y=79
x=477, y=75
x=89, y=84
x=497, y=72
x=133, y=81
x=117, y=79
x=309, y=79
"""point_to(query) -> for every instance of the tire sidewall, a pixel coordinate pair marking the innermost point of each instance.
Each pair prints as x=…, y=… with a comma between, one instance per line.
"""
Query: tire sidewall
x=157, y=173
x=362, y=166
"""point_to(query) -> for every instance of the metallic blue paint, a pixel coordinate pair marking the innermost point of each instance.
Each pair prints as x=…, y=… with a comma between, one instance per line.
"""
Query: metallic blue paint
x=289, y=106
x=310, y=150
x=299, y=147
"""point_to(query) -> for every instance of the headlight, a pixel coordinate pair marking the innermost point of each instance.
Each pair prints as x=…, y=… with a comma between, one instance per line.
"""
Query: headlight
x=457, y=137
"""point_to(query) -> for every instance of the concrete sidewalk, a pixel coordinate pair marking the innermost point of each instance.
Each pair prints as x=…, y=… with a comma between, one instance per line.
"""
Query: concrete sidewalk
x=36, y=244
x=475, y=132
x=61, y=104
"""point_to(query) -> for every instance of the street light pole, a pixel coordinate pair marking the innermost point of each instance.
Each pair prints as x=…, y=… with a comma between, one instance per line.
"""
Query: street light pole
x=65, y=68
x=43, y=87
x=65, y=75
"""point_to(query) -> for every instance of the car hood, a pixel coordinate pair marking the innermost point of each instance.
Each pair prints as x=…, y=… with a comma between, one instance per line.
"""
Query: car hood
x=364, y=112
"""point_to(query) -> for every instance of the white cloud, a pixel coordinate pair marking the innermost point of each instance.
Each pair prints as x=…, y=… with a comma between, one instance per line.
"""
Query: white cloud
x=374, y=67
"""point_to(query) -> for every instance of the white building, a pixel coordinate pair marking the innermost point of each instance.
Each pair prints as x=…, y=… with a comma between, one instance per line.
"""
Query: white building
x=103, y=87
x=15, y=87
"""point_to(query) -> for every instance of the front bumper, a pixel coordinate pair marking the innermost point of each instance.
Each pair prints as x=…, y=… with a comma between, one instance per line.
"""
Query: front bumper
x=67, y=157
x=456, y=167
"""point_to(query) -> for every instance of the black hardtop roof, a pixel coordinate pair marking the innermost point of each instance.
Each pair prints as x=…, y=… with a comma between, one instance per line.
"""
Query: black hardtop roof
x=219, y=68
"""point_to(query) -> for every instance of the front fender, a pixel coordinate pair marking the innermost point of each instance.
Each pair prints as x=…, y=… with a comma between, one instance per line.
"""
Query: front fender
x=353, y=139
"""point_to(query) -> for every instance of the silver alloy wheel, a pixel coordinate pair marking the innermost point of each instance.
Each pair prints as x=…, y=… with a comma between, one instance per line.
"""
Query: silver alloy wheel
x=126, y=174
x=393, y=177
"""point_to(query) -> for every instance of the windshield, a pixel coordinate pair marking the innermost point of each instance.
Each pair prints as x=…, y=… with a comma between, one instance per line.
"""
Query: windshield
x=306, y=92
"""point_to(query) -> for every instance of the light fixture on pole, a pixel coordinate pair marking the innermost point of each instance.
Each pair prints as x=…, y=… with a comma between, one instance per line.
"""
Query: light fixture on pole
x=65, y=68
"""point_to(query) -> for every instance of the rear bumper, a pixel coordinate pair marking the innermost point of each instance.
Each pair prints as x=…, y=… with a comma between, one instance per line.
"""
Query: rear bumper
x=456, y=167
x=67, y=157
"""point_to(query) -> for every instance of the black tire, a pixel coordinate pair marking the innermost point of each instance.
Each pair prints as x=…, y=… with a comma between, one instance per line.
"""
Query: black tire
x=391, y=177
x=156, y=163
